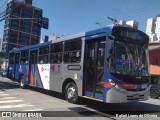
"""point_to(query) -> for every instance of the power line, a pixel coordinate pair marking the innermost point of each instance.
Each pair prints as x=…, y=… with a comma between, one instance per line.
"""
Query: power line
x=2, y=13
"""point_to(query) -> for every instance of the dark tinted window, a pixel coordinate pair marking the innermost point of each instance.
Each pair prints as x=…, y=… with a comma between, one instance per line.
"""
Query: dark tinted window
x=73, y=45
x=56, y=53
x=43, y=54
x=44, y=50
x=131, y=34
x=24, y=57
x=72, y=51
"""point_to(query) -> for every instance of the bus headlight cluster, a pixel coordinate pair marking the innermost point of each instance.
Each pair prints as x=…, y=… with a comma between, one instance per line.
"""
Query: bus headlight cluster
x=112, y=83
x=115, y=86
x=120, y=89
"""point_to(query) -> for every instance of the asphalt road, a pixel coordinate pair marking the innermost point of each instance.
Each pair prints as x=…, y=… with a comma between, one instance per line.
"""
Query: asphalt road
x=50, y=105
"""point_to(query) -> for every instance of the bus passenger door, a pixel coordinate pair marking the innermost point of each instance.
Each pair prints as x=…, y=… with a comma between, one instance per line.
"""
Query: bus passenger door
x=94, y=68
x=32, y=66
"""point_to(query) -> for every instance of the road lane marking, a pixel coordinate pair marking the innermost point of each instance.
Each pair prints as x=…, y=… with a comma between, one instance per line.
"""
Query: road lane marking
x=11, y=101
x=7, y=98
x=16, y=106
x=4, y=94
x=34, y=110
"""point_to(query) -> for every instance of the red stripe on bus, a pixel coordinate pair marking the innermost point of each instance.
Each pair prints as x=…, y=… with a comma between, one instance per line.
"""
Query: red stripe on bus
x=107, y=85
x=127, y=86
x=31, y=79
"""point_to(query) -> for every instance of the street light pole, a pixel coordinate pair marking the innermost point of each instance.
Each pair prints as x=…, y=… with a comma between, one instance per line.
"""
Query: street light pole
x=99, y=24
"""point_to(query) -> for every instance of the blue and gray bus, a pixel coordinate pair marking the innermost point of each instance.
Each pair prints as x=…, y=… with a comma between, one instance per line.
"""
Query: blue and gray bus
x=108, y=64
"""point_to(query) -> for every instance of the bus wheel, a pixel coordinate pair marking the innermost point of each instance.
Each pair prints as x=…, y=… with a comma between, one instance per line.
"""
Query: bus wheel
x=154, y=93
x=71, y=93
x=22, y=82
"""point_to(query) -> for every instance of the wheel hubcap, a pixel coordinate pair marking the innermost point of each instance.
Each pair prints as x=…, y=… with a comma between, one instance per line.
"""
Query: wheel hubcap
x=21, y=83
x=71, y=92
x=154, y=92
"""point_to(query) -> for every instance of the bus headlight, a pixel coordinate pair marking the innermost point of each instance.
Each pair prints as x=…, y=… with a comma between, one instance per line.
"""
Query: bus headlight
x=115, y=86
x=112, y=83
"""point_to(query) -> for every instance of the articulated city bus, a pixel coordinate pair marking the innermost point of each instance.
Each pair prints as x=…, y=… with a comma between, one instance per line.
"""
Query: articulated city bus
x=108, y=64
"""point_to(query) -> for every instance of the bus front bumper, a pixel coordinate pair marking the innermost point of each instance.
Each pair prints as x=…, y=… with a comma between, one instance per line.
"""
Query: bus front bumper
x=118, y=96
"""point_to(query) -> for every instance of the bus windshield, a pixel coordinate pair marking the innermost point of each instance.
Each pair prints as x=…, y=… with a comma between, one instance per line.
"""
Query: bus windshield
x=129, y=59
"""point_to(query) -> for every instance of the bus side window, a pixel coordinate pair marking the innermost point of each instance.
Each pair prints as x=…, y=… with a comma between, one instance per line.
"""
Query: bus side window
x=56, y=53
x=43, y=55
x=24, y=57
x=72, y=51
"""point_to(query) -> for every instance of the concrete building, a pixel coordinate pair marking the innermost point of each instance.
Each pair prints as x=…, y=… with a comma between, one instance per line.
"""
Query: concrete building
x=21, y=32
x=132, y=23
x=153, y=29
x=150, y=29
x=157, y=29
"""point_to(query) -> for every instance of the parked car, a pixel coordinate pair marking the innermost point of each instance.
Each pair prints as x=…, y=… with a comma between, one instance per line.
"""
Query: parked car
x=155, y=87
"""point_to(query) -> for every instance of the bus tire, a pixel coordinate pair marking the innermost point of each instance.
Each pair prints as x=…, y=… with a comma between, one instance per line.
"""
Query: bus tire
x=22, y=85
x=154, y=93
x=71, y=93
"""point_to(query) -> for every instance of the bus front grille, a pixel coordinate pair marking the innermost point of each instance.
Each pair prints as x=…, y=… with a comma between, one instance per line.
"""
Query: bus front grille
x=135, y=97
x=135, y=81
x=135, y=90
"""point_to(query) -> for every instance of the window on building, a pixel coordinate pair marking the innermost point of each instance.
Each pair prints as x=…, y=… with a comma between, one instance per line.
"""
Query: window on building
x=24, y=57
x=13, y=34
x=15, y=27
x=56, y=51
x=72, y=51
x=43, y=55
x=26, y=23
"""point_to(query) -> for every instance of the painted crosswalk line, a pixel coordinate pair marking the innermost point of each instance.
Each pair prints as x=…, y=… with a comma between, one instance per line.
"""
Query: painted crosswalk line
x=4, y=95
x=11, y=101
x=34, y=110
x=16, y=106
x=7, y=98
